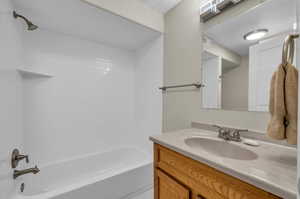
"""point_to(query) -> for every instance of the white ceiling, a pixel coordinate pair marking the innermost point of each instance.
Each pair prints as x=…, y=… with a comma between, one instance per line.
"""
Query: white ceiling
x=276, y=15
x=77, y=18
x=162, y=6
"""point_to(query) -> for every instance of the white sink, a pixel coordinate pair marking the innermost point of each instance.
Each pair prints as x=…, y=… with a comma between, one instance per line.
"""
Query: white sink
x=220, y=148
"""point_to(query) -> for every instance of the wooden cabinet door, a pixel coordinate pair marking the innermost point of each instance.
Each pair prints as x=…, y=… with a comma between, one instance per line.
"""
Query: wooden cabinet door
x=198, y=196
x=197, y=180
x=168, y=188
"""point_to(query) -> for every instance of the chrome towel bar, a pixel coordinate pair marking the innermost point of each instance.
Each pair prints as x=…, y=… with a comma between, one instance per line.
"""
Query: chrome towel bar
x=197, y=85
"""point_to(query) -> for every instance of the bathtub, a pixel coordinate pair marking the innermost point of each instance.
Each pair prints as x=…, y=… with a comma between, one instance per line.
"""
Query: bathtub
x=118, y=174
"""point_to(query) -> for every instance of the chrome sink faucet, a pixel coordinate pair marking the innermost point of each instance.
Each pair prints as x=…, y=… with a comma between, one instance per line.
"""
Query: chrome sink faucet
x=236, y=134
x=230, y=134
x=224, y=133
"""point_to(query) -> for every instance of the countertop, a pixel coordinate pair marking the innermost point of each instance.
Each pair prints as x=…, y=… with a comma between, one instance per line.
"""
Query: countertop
x=274, y=170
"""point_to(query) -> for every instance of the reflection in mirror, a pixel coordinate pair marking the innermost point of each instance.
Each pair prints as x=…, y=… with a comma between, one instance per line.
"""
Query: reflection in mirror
x=240, y=55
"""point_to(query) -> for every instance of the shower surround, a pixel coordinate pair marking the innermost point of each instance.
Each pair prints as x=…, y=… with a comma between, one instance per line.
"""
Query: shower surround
x=77, y=99
x=99, y=98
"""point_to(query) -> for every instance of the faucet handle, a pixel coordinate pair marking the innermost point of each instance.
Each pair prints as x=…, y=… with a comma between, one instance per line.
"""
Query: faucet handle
x=26, y=158
x=236, y=136
x=17, y=157
x=238, y=131
x=21, y=157
x=222, y=130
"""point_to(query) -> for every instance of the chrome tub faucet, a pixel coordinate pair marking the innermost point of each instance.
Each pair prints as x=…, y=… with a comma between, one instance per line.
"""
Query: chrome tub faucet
x=18, y=173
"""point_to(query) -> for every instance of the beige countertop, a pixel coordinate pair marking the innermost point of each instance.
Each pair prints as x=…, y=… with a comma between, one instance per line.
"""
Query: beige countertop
x=274, y=170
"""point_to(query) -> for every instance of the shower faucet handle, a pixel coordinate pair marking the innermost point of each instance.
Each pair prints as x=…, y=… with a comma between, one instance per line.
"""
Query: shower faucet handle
x=16, y=157
x=26, y=158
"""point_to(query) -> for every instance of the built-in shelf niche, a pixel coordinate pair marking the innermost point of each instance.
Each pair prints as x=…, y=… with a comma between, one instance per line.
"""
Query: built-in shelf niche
x=30, y=74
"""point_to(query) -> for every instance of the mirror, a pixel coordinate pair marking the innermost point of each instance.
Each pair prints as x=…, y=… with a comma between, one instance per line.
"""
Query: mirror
x=241, y=53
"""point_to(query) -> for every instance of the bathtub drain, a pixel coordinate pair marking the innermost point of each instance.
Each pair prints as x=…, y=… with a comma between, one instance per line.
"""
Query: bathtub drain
x=22, y=187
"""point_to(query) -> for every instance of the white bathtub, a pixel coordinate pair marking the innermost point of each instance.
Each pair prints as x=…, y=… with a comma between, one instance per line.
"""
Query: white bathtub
x=118, y=174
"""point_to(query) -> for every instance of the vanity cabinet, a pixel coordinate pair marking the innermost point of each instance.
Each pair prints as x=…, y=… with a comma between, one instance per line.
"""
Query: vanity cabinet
x=170, y=188
x=179, y=177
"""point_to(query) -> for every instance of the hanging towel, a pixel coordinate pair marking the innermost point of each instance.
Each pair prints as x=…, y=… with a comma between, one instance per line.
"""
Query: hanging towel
x=291, y=97
x=284, y=104
x=276, y=127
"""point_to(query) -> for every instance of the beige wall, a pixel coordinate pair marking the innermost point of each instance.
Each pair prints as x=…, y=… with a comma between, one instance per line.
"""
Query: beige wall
x=133, y=10
x=216, y=49
x=236, y=97
x=182, y=65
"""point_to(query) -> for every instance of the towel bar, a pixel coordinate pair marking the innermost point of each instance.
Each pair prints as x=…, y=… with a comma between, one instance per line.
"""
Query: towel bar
x=197, y=85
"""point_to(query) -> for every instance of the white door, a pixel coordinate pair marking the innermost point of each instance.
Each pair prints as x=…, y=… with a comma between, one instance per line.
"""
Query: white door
x=211, y=93
x=10, y=103
x=264, y=59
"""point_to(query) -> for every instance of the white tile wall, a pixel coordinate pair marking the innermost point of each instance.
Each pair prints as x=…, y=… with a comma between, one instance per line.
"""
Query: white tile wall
x=10, y=106
x=89, y=105
x=86, y=107
x=99, y=97
x=148, y=98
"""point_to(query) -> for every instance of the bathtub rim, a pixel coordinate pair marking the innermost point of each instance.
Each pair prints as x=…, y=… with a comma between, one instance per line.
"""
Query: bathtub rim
x=97, y=178
x=82, y=156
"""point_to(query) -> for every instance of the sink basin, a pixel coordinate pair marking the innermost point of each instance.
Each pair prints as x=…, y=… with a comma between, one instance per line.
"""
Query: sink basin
x=221, y=148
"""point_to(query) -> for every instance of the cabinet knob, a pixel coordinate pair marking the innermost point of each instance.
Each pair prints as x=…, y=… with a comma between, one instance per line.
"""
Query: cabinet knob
x=200, y=196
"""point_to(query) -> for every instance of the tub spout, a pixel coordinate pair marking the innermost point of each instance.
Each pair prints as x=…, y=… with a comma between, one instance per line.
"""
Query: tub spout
x=18, y=173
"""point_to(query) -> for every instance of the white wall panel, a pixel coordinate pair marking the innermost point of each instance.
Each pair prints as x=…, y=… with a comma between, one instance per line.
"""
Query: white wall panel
x=10, y=89
x=148, y=98
x=91, y=23
x=88, y=104
x=99, y=98
x=133, y=10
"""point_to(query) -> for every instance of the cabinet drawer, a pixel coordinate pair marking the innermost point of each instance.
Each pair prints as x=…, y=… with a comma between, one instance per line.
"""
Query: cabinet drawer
x=167, y=188
x=204, y=180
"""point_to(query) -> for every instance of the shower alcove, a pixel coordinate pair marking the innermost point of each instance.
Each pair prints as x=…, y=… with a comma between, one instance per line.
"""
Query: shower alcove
x=91, y=85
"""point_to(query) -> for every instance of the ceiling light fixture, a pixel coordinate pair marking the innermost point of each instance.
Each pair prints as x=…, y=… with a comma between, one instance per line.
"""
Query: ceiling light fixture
x=256, y=34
